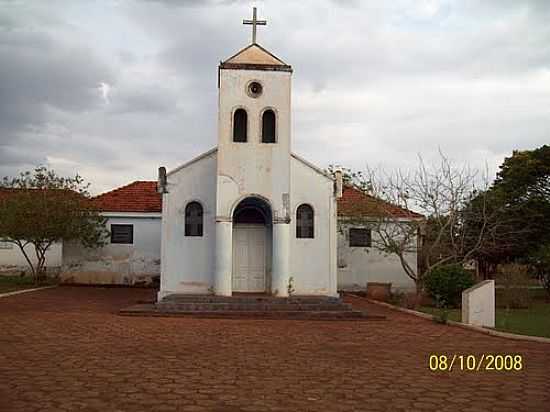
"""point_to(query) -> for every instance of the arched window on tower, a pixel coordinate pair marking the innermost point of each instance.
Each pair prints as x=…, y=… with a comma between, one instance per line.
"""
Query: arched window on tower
x=304, y=222
x=193, y=219
x=240, y=120
x=268, y=126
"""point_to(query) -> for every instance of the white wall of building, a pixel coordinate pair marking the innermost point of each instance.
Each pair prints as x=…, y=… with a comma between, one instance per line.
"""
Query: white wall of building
x=13, y=260
x=188, y=262
x=117, y=263
x=313, y=261
x=359, y=265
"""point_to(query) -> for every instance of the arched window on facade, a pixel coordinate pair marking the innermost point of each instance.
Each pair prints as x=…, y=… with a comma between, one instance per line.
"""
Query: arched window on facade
x=240, y=120
x=268, y=126
x=193, y=219
x=304, y=222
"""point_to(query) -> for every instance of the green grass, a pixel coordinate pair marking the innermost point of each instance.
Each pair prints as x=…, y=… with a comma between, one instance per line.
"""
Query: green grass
x=534, y=321
x=14, y=283
x=453, y=314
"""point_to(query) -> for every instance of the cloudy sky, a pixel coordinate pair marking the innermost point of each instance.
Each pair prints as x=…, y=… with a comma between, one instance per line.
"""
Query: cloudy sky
x=114, y=89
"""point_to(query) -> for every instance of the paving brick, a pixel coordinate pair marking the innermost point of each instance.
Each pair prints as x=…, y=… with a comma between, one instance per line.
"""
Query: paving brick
x=66, y=349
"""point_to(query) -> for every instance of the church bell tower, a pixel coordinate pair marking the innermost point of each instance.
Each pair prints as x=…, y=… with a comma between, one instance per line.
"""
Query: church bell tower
x=253, y=158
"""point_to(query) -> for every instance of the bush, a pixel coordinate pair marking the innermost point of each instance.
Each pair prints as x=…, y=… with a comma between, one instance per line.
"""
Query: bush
x=397, y=298
x=445, y=284
x=515, y=281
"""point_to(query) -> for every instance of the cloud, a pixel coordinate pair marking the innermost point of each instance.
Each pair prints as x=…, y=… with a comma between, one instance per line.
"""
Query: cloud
x=115, y=90
x=196, y=3
x=39, y=72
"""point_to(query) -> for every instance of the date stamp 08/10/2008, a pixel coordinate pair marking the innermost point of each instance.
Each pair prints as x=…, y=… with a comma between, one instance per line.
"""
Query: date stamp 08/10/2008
x=476, y=363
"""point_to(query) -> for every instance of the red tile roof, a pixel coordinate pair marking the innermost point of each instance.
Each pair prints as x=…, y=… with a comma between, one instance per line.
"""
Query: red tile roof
x=142, y=196
x=139, y=196
x=354, y=202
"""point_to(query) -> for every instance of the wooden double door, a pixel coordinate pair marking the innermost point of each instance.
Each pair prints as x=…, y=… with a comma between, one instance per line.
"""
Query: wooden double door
x=249, y=258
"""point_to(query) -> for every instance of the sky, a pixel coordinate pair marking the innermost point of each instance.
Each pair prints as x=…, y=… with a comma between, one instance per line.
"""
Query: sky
x=114, y=89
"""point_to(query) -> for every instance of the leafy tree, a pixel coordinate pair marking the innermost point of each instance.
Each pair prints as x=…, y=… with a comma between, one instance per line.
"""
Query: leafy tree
x=520, y=201
x=525, y=176
x=508, y=233
x=523, y=183
x=39, y=208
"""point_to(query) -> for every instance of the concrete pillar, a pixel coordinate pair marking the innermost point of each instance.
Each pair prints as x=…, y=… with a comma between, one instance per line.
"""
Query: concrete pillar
x=224, y=258
x=281, y=259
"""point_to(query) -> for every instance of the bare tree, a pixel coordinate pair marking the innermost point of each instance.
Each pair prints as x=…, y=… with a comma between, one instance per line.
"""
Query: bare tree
x=441, y=211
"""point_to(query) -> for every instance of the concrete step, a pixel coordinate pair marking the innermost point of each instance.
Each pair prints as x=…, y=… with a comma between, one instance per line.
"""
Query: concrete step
x=181, y=298
x=252, y=307
x=153, y=310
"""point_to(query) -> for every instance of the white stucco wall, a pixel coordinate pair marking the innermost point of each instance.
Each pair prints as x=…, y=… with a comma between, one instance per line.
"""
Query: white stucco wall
x=188, y=262
x=117, y=263
x=12, y=259
x=359, y=265
x=253, y=167
x=313, y=261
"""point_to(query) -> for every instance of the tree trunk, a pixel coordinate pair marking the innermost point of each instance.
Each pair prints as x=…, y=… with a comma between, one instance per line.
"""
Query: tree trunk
x=40, y=264
x=27, y=258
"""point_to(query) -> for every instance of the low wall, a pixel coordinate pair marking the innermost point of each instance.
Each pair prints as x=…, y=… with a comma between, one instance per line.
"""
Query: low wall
x=478, y=304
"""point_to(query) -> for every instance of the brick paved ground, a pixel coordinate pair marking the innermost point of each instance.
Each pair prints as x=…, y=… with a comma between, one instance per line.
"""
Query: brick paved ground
x=65, y=349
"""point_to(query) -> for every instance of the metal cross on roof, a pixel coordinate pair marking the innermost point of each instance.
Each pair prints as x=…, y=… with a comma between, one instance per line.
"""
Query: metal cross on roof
x=254, y=22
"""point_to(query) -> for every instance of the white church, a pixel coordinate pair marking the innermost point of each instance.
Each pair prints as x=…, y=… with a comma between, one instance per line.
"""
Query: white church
x=256, y=217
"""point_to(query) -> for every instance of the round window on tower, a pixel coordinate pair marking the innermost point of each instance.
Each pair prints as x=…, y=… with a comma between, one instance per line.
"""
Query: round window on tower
x=254, y=89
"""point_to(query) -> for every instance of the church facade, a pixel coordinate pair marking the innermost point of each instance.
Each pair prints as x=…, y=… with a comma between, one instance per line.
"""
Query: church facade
x=250, y=215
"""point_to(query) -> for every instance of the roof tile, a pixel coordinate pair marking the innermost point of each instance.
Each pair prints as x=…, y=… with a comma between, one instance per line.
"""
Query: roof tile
x=355, y=202
x=139, y=196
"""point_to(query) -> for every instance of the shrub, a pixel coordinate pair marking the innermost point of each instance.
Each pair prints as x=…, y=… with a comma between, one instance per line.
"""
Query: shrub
x=397, y=298
x=446, y=283
x=441, y=316
x=515, y=280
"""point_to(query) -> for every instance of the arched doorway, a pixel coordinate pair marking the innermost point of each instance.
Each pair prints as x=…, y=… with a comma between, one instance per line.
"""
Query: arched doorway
x=252, y=233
